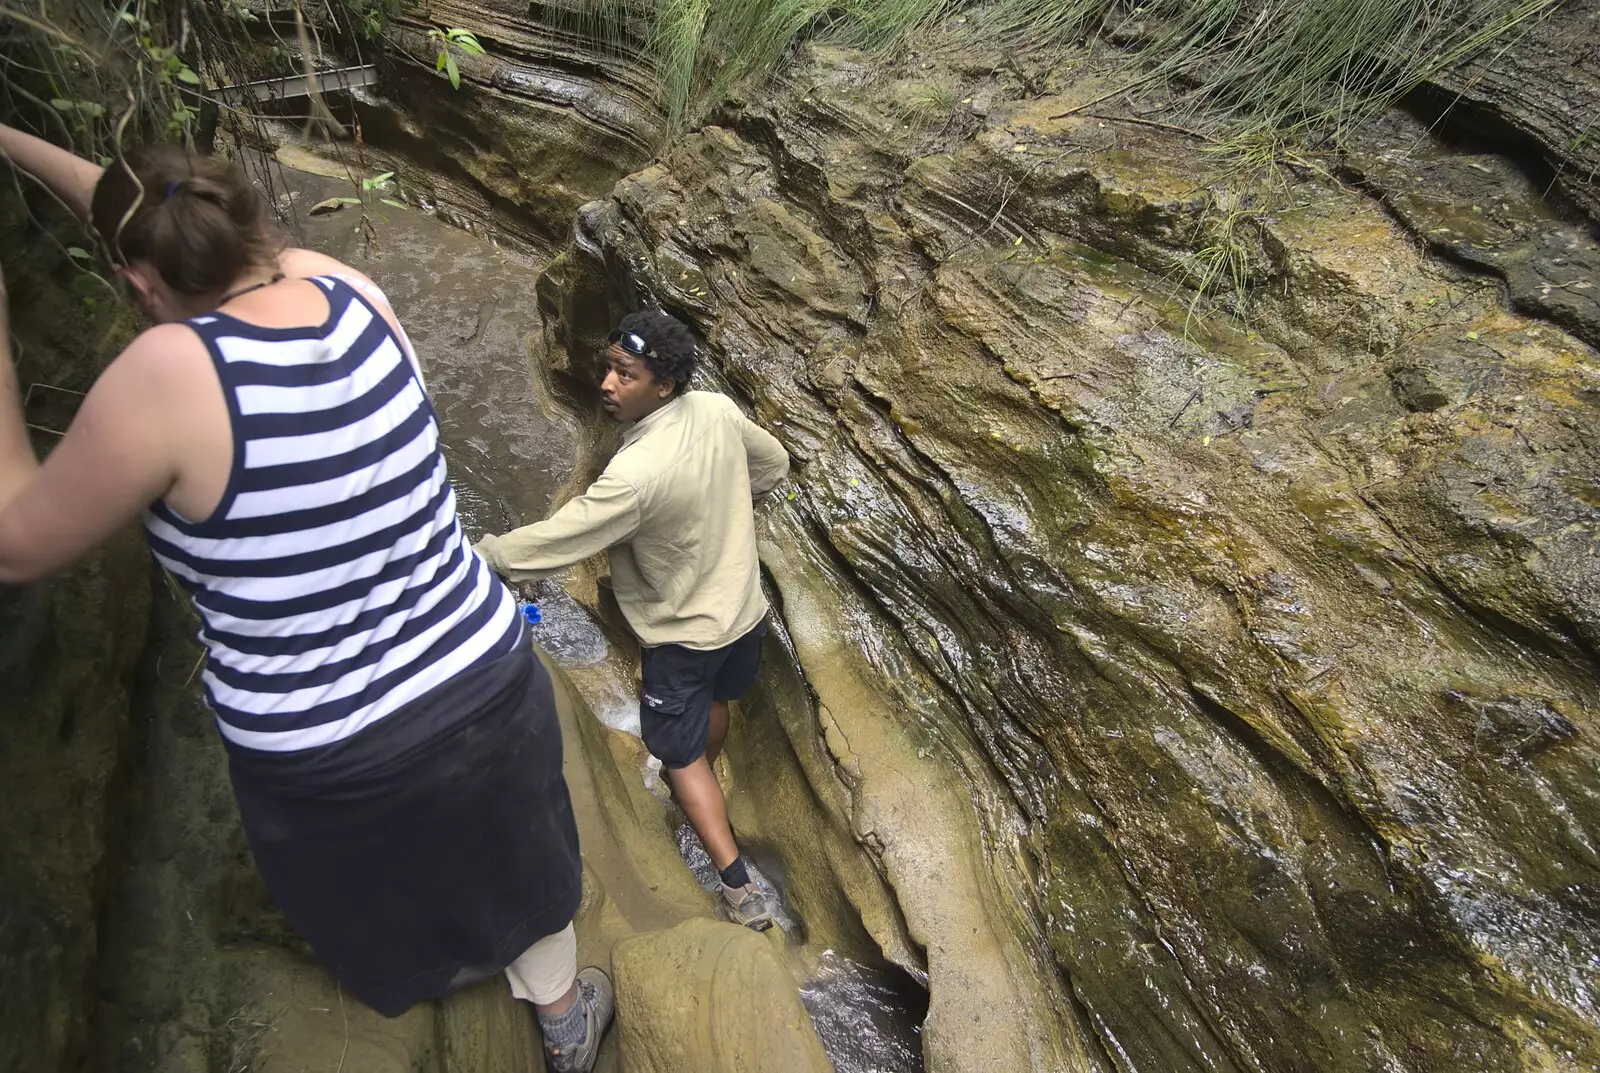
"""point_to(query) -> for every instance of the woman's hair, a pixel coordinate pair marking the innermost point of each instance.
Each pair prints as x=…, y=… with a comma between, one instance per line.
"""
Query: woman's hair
x=197, y=220
x=672, y=343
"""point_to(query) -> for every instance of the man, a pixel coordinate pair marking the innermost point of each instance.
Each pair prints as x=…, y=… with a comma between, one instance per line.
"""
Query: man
x=674, y=508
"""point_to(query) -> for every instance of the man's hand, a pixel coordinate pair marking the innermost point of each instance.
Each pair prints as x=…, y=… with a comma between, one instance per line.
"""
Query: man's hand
x=523, y=589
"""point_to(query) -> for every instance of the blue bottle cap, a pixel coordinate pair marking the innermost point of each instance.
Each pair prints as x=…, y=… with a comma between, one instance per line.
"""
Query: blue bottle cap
x=531, y=613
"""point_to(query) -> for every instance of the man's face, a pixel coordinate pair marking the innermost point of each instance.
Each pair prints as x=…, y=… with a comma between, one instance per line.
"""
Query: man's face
x=630, y=390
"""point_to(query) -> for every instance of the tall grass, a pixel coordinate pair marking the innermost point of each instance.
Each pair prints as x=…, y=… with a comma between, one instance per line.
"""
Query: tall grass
x=1291, y=67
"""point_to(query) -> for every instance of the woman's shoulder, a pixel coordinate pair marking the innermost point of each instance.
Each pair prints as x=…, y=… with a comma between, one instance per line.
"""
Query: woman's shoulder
x=161, y=365
x=162, y=341
x=162, y=346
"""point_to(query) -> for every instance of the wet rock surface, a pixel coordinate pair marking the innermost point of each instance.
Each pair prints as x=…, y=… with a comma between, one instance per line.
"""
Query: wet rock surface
x=69, y=656
x=548, y=116
x=1211, y=694
x=1162, y=690
x=1486, y=213
x=706, y=997
x=1535, y=91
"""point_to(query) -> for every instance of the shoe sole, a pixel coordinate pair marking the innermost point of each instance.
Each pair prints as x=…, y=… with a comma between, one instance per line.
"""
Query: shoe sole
x=760, y=924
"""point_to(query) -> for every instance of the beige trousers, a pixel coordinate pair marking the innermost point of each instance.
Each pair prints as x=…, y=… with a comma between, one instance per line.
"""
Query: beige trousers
x=547, y=969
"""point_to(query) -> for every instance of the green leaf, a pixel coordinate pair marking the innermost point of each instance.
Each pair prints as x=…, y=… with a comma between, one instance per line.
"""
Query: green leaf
x=466, y=42
x=454, y=71
x=78, y=253
x=187, y=76
x=392, y=202
x=442, y=57
x=84, y=108
x=350, y=200
x=86, y=285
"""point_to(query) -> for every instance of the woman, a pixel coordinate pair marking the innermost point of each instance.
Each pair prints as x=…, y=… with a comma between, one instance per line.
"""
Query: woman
x=391, y=737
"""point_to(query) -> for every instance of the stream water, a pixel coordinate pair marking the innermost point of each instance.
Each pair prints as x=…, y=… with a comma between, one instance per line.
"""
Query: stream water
x=868, y=1017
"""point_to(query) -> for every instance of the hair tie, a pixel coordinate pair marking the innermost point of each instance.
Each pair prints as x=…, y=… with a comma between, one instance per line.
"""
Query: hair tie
x=172, y=188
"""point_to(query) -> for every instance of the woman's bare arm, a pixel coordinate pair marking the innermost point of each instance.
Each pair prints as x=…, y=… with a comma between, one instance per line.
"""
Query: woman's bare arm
x=17, y=460
x=118, y=457
x=70, y=177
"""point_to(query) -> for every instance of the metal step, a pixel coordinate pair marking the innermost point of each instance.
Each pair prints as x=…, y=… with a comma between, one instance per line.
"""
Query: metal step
x=300, y=85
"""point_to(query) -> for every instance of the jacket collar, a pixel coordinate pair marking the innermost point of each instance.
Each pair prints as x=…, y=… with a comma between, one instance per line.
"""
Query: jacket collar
x=645, y=424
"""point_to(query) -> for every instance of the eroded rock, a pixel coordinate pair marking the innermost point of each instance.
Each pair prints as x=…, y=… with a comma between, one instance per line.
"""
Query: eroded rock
x=1142, y=640
x=708, y=997
x=69, y=656
x=548, y=118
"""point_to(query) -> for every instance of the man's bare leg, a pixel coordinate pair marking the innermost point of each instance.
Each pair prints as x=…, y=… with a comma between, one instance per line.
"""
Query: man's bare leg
x=700, y=797
x=717, y=733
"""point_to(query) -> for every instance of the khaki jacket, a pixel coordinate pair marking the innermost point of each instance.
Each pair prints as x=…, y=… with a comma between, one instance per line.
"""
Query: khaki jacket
x=674, y=508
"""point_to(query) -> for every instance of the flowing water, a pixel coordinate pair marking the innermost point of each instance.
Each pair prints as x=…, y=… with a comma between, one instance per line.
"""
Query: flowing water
x=868, y=1017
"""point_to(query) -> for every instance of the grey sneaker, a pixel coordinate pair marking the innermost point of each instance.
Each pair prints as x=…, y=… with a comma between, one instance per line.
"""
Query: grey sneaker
x=745, y=905
x=599, y=1002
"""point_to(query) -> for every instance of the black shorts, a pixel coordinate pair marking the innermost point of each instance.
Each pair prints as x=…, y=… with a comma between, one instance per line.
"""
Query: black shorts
x=677, y=688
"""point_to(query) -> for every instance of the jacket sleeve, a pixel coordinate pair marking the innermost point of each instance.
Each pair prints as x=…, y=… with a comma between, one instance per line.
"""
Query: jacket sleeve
x=604, y=516
x=767, y=460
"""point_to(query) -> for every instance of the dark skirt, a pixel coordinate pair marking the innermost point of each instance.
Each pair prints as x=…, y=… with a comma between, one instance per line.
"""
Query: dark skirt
x=430, y=849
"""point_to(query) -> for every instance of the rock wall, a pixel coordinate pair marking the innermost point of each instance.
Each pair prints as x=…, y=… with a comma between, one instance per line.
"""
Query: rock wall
x=1214, y=694
x=68, y=652
x=1536, y=89
x=552, y=114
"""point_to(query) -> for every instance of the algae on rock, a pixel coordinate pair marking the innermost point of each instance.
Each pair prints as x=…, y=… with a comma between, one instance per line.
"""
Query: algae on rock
x=1247, y=671
x=69, y=650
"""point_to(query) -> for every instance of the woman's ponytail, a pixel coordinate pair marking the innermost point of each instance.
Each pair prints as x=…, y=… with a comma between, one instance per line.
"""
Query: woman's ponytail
x=195, y=219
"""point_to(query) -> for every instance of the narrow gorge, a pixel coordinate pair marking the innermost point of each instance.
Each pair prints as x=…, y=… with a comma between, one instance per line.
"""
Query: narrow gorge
x=1186, y=634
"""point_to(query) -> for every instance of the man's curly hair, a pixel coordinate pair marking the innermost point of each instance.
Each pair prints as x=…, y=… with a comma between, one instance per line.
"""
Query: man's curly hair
x=673, y=356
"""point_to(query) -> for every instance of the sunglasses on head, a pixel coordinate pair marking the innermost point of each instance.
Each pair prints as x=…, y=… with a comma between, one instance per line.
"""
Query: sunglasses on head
x=633, y=344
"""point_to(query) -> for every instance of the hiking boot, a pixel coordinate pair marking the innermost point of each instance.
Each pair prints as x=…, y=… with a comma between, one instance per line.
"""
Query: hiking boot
x=599, y=1001
x=745, y=905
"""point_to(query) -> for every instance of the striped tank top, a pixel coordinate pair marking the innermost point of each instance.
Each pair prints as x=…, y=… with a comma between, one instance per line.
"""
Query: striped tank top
x=333, y=581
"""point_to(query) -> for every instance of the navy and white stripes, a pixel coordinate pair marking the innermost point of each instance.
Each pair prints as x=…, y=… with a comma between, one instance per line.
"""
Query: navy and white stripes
x=334, y=581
